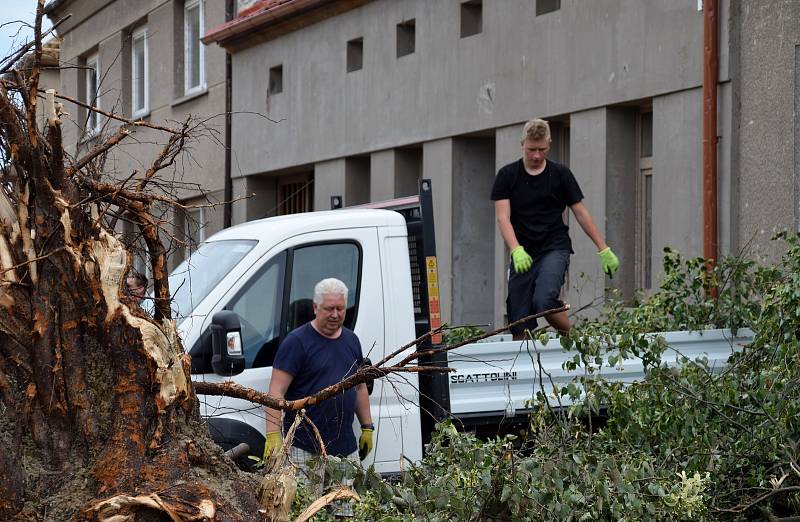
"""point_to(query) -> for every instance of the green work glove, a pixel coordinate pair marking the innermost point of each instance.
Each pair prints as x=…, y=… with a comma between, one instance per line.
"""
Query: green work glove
x=273, y=444
x=522, y=261
x=365, y=443
x=609, y=261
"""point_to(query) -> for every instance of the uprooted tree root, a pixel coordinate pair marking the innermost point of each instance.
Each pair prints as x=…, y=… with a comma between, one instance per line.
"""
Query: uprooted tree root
x=98, y=420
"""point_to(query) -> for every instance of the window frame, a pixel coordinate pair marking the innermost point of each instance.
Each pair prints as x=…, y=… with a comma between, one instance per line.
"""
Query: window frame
x=287, y=290
x=275, y=81
x=282, y=260
x=354, y=54
x=92, y=98
x=645, y=273
x=200, y=222
x=551, y=7
x=189, y=89
x=140, y=34
x=471, y=18
x=406, y=38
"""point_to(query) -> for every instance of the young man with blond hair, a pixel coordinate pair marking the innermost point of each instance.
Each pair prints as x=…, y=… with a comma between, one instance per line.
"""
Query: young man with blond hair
x=530, y=196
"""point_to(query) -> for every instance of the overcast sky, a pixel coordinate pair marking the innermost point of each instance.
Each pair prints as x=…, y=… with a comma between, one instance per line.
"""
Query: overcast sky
x=14, y=35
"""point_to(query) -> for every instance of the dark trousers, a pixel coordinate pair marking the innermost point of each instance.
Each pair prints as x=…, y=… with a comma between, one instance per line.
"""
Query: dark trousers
x=536, y=290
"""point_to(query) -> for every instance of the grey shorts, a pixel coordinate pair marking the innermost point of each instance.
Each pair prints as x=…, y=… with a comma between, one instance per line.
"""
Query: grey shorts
x=536, y=290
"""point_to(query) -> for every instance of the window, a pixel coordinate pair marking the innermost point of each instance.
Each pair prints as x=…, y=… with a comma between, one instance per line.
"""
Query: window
x=294, y=195
x=547, y=6
x=139, y=74
x=342, y=261
x=92, y=72
x=471, y=18
x=355, y=54
x=645, y=197
x=276, y=79
x=196, y=276
x=193, y=49
x=260, y=303
x=194, y=228
x=258, y=306
x=406, y=36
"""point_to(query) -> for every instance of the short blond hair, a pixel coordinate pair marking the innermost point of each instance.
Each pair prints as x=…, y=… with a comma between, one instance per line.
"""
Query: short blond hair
x=535, y=130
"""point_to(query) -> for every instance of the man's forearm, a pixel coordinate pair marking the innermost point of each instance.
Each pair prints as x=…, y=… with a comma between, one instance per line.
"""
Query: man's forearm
x=507, y=231
x=589, y=227
x=502, y=212
x=363, y=412
x=277, y=388
x=273, y=420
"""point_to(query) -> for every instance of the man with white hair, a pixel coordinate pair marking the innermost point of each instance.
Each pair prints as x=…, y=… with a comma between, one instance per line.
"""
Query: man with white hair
x=314, y=356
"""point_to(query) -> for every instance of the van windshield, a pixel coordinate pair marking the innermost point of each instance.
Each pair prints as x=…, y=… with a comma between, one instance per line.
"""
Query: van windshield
x=196, y=276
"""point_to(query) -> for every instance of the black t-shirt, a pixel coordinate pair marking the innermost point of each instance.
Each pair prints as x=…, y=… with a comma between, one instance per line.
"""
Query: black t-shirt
x=537, y=204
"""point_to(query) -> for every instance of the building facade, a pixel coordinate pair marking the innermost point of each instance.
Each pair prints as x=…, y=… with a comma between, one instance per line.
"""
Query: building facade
x=363, y=98
x=144, y=60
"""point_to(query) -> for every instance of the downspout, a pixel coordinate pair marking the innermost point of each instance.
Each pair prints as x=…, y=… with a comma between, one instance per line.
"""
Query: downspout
x=710, y=67
x=228, y=187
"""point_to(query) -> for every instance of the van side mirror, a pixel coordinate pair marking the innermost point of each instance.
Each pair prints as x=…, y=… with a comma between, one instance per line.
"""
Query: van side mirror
x=226, y=344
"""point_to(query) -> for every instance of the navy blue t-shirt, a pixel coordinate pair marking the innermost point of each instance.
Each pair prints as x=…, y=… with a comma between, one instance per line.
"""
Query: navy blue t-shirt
x=317, y=362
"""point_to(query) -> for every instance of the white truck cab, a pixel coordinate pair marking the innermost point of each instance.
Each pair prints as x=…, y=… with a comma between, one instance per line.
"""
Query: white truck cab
x=265, y=271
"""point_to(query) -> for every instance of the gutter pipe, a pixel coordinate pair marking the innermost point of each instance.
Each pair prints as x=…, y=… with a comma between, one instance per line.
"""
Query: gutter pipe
x=710, y=72
x=227, y=196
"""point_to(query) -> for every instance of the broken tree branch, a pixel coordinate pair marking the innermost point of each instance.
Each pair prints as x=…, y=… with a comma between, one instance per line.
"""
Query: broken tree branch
x=114, y=116
x=97, y=151
x=363, y=375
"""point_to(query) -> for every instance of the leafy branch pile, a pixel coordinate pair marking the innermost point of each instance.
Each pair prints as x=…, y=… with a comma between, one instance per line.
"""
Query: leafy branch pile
x=688, y=443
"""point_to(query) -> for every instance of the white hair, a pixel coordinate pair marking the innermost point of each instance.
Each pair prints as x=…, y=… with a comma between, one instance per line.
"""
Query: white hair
x=327, y=286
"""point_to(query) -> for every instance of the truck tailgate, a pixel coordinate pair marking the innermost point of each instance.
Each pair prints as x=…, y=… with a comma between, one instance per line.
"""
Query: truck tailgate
x=500, y=377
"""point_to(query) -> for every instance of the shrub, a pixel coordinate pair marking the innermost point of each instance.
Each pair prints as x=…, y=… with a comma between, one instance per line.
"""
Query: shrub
x=685, y=443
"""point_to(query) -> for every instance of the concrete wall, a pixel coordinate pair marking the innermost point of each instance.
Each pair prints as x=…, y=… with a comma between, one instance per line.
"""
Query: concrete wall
x=587, y=54
x=588, y=161
x=473, y=226
x=507, y=147
x=103, y=27
x=357, y=180
x=767, y=153
x=621, y=172
x=588, y=65
x=329, y=180
x=438, y=159
x=677, y=175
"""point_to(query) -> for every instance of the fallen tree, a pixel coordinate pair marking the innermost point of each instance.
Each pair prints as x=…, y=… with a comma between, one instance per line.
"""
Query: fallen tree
x=97, y=416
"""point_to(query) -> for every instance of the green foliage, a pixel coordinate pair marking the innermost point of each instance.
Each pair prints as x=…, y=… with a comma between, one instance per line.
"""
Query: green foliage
x=549, y=478
x=686, y=443
x=457, y=334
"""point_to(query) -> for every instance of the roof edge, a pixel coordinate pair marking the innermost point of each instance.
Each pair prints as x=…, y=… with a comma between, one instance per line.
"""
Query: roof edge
x=53, y=4
x=243, y=32
x=255, y=19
